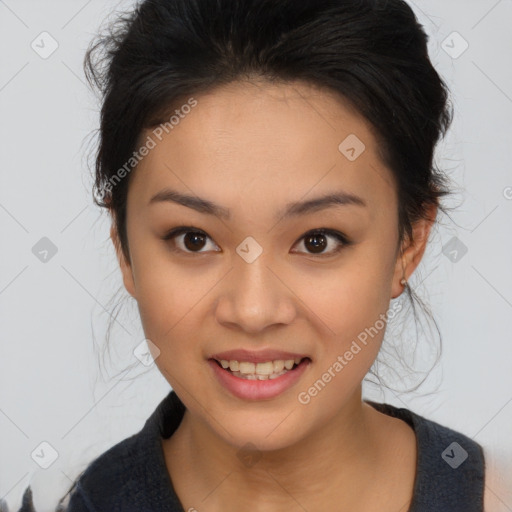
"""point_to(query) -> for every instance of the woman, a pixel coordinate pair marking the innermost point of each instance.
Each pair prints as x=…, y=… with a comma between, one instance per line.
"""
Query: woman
x=268, y=166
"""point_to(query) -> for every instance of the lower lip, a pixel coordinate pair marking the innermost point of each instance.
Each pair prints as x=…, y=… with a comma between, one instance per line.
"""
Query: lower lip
x=258, y=389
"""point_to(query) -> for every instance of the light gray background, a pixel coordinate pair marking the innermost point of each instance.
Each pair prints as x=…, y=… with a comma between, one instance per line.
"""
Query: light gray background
x=54, y=313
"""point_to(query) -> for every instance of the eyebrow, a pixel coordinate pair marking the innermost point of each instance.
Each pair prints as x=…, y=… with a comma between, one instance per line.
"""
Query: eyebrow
x=338, y=198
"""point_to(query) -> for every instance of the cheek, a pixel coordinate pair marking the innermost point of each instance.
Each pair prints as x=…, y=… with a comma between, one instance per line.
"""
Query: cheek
x=352, y=306
x=172, y=301
x=168, y=307
x=351, y=298
x=159, y=288
x=167, y=300
x=354, y=310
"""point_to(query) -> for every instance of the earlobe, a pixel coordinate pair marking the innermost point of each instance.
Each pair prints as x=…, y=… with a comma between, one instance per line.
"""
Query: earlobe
x=126, y=269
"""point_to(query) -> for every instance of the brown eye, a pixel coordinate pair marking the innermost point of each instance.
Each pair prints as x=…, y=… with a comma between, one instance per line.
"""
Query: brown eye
x=192, y=240
x=316, y=241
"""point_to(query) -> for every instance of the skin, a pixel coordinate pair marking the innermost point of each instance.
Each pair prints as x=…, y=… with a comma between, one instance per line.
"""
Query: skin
x=253, y=147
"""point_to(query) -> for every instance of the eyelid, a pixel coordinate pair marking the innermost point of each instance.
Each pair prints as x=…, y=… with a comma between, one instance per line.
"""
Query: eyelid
x=342, y=239
x=180, y=230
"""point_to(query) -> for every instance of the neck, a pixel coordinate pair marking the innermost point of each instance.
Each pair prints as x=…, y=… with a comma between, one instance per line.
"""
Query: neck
x=342, y=455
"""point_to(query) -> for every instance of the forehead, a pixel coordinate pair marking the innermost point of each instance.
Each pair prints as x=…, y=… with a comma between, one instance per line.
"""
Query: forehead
x=251, y=140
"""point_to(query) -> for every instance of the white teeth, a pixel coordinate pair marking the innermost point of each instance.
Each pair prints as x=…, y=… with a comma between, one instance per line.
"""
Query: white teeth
x=247, y=368
x=278, y=366
x=288, y=364
x=265, y=368
x=260, y=371
x=253, y=376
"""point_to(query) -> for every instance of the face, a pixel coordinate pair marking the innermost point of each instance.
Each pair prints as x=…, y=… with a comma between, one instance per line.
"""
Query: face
x=255, y=273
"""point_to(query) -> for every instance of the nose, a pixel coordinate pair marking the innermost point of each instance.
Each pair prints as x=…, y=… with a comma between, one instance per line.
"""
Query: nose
x=255, y=296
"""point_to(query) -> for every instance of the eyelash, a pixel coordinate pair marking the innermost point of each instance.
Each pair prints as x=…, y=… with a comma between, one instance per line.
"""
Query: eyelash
x=340, y=237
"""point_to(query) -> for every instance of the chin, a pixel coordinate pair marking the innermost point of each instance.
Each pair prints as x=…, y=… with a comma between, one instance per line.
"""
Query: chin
x=263, y=436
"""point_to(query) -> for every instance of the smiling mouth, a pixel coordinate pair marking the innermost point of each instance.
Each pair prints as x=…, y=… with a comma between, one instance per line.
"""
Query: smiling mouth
x=261, y=371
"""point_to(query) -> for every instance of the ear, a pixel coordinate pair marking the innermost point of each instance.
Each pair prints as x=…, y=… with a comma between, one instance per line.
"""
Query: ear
x=126, y=269
x=412, y=251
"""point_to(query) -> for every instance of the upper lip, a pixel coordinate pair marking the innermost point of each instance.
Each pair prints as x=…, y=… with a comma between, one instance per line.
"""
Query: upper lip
x=260, y=356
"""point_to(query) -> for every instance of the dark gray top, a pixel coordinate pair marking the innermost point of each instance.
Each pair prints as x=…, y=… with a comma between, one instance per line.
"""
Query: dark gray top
x=132, y=475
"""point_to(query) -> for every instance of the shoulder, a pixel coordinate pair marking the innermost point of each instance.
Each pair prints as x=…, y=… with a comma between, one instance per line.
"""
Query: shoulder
x=132, y=475
x=113, y=477
x=129, y=476
x=102, y=480
x=450, y=471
